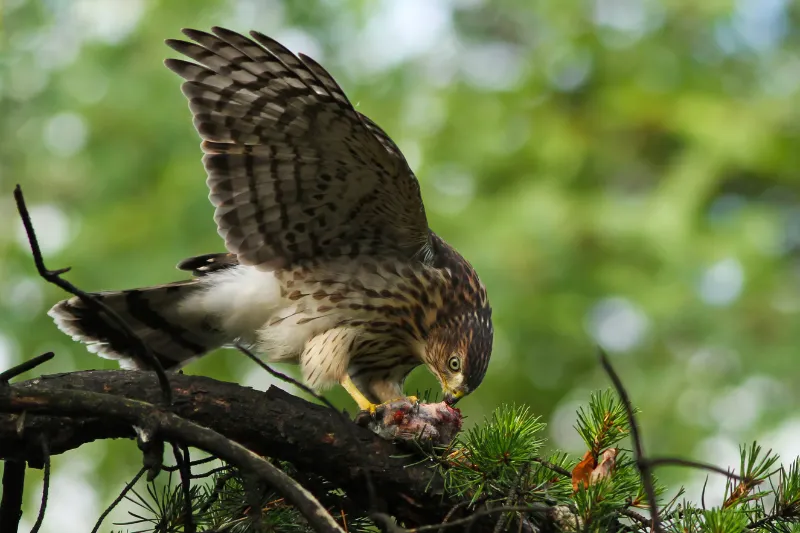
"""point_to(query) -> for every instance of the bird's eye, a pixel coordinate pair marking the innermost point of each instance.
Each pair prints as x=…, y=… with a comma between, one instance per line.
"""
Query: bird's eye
x=454, y=363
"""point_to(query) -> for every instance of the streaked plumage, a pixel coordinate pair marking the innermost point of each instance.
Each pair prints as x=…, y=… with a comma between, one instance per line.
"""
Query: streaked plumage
x=331, y=263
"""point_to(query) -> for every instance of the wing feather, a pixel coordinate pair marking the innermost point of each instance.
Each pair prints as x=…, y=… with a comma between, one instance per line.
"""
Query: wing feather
x=294, y=171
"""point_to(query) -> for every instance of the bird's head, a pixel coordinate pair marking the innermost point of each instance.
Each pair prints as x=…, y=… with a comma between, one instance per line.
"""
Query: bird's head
x=458, y=351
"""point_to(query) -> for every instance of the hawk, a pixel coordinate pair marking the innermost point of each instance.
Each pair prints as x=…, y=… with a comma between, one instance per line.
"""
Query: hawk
x=330, y=262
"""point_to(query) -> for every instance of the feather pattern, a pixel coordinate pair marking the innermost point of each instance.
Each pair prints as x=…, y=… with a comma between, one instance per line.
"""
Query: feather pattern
x=174, y=333
x=330, y=262
x=294, y=171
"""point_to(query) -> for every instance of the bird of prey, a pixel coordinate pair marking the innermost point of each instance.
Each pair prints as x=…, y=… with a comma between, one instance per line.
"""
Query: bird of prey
x=330, y=262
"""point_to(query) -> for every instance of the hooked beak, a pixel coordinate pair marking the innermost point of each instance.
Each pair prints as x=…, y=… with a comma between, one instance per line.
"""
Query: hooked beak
x=450, y=398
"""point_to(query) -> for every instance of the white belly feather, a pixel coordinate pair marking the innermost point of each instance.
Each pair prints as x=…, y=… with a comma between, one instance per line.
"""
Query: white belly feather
x=293, y=316
x=248, y=305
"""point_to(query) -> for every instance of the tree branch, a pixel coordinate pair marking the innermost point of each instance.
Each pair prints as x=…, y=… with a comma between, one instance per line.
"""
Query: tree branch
x=275, y=424
x=171, y=427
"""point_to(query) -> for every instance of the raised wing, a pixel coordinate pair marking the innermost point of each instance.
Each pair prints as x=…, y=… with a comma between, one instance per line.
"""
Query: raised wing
x=294, y=171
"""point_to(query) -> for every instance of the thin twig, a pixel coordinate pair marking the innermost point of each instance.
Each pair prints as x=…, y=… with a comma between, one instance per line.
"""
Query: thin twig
x=452, y=511
x=54, y=277
x=758, y=524
x=703, y=494
x=204, y=460
x=21, y=368
x=45, y=484
x=552, y=466
x=118, y=499
x=512, y=497
x=635, y=516
x=183, y=460
x=13, y=486
x=219, y=485
x=288, y=379
x=212, y=472
x=645, y=468
x=674, y=461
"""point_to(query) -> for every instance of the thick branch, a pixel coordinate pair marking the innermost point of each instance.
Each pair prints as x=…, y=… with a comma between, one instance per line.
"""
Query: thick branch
x=274, y=424
x=163, y=424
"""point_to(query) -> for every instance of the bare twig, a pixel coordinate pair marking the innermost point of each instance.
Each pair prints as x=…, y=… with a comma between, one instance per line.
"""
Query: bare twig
x=512, y=497
x=21, y=368
x=219, y=486
x=452, y=511
x=288, y=379
x=118, y=499
x=675, y=461
x=204, y=460
x=703, y=494
x=45, y=484
x=13, y=486
x=183, y=461
x=759, y=524
x=554, y=467
x=635, y=516
x=54, y=277
x=645, y=468
x=212, y=472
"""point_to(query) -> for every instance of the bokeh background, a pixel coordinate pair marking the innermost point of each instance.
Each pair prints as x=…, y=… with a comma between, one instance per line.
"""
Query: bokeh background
x=620, y=172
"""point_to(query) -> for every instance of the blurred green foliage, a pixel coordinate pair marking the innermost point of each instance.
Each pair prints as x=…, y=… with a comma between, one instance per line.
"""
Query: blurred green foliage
x=622, y=172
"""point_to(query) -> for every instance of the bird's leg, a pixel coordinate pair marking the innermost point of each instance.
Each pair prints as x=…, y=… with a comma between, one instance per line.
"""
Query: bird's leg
x=363, y=402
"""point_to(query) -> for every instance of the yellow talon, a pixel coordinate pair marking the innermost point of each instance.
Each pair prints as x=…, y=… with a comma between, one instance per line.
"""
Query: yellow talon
x=363, y=402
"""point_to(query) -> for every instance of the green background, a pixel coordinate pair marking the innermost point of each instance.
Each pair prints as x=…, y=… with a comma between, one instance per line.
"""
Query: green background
x=621, y=172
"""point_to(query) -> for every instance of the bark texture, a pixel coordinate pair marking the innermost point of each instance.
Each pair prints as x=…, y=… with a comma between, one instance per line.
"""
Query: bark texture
x=272, y=423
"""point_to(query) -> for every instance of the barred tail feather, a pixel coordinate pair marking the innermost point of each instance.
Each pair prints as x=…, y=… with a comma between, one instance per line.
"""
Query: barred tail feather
x=174, y=333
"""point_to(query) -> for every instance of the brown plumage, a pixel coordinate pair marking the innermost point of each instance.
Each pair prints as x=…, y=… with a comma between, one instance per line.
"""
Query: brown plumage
x=330, y=261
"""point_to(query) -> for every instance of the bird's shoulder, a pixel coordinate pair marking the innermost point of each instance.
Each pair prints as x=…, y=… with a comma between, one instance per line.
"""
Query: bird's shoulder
x=465, y=284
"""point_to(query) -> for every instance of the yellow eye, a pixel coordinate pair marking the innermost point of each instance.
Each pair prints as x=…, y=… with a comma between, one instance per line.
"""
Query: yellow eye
x=454, y=363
